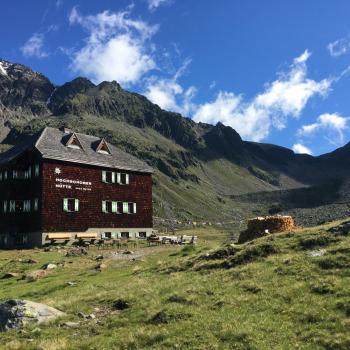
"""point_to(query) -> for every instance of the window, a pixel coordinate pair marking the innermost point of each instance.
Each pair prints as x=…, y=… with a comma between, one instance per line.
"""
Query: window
x=74, y=142
x=21, y=239
x=70, y=205
x=103, y=147
x=36, y=170
x=122, y=179
x=129, y=208
x=26, y=206
x=4, y=206
x=124, y=235
x=22, y=174
x=112, y=207
x=36, y=204
x=20, y=206
x=108, y=177
x=107, y=235
x=12, y=206
x=108, y=206
x=142, y=234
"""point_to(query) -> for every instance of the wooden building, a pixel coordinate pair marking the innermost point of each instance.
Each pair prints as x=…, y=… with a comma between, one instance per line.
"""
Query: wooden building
x=59, y=185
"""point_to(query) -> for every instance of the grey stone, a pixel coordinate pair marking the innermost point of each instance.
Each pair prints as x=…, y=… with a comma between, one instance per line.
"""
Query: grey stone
x=72, y=324
x=50, y=266
x=16, y=313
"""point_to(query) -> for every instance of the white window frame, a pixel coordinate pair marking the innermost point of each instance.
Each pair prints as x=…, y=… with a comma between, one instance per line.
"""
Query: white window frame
x=36, y=204
x=66, y=206
x=37, y=170
x=104, y=176
x=119, y=179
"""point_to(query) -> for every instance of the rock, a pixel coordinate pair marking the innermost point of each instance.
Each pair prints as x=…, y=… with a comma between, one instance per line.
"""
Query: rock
x=343, y=228
x=30, y=261
x=82, y=315
x=315, y=253
x=34, y=275
x=71, y=283
x=77, y=252
x=120, y=304
x=99, y=257
x=72, y=324
x=10, y=275
x=91, y=316
x=128, y=252
x=15, y=313
x=49, y=266
x=101, y=267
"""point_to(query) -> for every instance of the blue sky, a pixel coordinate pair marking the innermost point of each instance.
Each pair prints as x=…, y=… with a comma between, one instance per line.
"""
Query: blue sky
x=276, y=71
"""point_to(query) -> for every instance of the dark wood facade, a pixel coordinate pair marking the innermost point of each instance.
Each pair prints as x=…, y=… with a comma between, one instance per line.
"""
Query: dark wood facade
x=34, y=191
x=54, y=219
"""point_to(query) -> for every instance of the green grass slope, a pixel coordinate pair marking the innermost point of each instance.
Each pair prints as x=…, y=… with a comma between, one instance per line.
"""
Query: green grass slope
x=286, y=291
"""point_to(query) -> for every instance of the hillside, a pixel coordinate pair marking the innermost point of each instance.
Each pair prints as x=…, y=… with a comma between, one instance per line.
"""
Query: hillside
x=201, y=169
x=283, y=291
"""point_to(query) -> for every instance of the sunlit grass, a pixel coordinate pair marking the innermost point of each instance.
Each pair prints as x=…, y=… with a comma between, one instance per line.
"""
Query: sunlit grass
x=286, y=299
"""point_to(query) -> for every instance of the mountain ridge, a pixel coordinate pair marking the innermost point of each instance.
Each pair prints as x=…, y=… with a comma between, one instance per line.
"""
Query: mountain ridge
x=210, y=162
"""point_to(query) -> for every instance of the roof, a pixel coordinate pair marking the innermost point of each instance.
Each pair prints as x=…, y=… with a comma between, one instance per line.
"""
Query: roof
x=51, y=144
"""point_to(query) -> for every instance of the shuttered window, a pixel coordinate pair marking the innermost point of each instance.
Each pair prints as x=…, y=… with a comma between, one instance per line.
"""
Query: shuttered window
x=12, y=206
x=70, y=205
x=108, y=177
x=36, y=204
x=26, y=206
x=122, y=179
x=126, y=208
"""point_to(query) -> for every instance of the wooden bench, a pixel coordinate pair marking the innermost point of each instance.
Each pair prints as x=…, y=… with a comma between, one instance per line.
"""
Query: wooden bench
x=58, y=237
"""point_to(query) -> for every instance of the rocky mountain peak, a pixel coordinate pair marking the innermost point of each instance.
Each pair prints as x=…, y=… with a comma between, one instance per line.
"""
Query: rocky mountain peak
x=22, y=90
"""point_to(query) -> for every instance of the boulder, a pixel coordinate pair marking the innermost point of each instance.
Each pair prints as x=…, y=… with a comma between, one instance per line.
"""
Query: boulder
x=101, y=267
x=15, y=313
x=50, y=266
x=34, y=275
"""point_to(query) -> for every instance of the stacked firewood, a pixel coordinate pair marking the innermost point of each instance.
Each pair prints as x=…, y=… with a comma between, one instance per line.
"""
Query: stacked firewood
x=262, y=226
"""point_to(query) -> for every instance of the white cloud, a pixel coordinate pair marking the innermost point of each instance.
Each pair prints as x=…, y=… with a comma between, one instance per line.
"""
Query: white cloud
x=154, y=4
x=338, y=47
x=34, y=47
x=117, y=47
x=285, y=97
x=169, y=94
x=299, y=148
x=332, y=124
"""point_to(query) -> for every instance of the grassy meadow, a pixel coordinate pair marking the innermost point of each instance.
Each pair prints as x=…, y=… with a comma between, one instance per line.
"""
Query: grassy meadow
x=272, y=293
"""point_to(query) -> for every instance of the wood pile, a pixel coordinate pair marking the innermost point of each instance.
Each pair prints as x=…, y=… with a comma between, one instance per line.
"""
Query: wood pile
x=261, y=226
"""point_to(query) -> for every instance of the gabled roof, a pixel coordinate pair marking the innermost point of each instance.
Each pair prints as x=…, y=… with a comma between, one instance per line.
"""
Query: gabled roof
x=51, y=144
